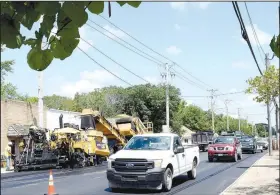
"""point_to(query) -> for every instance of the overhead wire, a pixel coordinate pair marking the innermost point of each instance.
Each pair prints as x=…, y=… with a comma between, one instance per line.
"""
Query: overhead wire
x=114, y=60
x=104, y=67
x=260, y=49
x=153, y=50
x=244, y=32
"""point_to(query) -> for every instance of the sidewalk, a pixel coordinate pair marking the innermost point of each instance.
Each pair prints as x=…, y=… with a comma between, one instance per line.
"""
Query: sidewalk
x=3, y=170
x=261, y=178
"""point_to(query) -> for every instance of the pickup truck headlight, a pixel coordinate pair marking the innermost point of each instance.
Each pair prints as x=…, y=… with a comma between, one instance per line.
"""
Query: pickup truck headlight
x=251, y=144
x=157, y=163
x=110, y=160
x=230, y=148
x=211, y=148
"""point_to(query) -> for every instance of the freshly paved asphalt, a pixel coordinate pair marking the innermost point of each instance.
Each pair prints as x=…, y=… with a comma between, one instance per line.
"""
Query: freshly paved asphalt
x=212, y=179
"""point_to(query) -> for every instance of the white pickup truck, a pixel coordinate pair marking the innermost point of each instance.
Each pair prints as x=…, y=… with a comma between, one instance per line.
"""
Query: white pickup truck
x=151, y=161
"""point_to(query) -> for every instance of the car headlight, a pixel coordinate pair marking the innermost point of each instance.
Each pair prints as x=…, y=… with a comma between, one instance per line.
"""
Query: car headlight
x=230, y=148
x=110, y=160
x=251, y=144
x=211, y=148
x=157, y=163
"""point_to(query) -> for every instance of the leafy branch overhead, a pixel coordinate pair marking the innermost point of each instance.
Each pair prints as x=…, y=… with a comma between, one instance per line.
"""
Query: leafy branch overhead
x=275, y=45
x=266, y=86
x=59, y=29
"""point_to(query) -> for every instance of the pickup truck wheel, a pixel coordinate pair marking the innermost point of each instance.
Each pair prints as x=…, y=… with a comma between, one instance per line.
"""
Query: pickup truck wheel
x=210, y=159
x=168, y=177
x=115, y=190
x=192, y=173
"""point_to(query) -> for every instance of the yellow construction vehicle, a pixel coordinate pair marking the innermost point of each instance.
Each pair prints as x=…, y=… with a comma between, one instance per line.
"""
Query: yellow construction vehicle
x=96, y=127
x=129, y=126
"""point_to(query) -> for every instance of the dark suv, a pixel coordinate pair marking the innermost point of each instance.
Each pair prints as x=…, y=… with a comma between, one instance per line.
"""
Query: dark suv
x=248, y=144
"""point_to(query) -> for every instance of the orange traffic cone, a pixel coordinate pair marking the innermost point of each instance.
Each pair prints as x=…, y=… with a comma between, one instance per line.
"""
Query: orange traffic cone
x=51, y=190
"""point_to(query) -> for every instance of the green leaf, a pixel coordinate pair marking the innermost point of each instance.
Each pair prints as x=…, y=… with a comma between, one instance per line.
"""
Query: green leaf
x=134, y=3
x=274, y=45
x=47, y=8
x=47, y=25
x=62, y=20
x=10, y=35
x=69, y=31
x=75, y=11
x=7, y=8
x=31, y=42
x=38, y=59
x=29, y=18
x=63, y=47
x=96, y=7
x=121, y=3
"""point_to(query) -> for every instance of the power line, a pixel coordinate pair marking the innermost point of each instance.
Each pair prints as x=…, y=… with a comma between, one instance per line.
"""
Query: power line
x=160, y=62
x=244, y=32
x=188, y=80
x=232, y=93
x=114, y=61
x=254, y=33
x=152, y=50
x=104, y=67
x=123, y=45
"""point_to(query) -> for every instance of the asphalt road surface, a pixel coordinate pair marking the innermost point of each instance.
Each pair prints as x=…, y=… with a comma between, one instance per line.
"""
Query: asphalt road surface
x=212, y=179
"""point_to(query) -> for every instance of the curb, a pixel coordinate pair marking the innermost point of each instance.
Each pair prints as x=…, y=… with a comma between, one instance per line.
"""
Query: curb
x=242, y=175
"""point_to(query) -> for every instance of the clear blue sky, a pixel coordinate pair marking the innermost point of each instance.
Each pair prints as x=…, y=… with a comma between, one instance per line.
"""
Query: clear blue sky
x=203, y=38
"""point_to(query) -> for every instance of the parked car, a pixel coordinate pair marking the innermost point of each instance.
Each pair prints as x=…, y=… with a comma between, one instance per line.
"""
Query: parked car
x=225, y=147
x=151, y=161
x=248, y=144
x=263, y=142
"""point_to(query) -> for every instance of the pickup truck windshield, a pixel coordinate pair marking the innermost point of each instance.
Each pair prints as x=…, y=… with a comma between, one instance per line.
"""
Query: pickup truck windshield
x=149, y=143
x=224, y=140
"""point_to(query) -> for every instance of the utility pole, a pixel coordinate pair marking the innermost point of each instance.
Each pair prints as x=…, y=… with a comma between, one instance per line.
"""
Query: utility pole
x=226, y=104
x=166, y=76
x=212, y=107
x=268, y=111
x=253, y=133
x=239, y=124
x=40, y=100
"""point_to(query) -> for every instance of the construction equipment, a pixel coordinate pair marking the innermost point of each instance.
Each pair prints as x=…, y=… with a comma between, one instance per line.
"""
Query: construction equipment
x=37, y=153
x=203, y=139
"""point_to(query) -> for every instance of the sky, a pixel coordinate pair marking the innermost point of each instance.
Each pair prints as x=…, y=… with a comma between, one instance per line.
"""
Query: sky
x=203, y=38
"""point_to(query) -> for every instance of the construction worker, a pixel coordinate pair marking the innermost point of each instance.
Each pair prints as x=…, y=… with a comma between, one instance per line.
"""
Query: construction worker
x=71, y=153
x=8, y=154
x=21, y=146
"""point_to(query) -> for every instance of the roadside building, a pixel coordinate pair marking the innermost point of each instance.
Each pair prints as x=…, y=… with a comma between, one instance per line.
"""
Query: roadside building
x=187, y=136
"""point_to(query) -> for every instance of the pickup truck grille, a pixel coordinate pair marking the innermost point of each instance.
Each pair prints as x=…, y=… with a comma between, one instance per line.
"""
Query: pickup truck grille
x=132, y=165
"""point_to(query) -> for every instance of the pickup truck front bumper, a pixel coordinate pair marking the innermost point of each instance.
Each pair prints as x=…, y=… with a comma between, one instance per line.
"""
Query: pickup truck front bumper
x=151, y=179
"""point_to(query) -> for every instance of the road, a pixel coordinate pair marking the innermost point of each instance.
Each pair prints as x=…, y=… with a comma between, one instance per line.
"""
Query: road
x=212, y=179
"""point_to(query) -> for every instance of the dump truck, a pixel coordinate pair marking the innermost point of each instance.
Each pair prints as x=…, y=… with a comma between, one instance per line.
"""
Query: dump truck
x=203, y=139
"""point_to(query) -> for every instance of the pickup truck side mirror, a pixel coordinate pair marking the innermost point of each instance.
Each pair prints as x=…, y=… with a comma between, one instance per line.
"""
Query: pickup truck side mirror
x=179, y=149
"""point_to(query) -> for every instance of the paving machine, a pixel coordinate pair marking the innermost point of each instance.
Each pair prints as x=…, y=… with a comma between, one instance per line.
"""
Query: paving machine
x=36, y=154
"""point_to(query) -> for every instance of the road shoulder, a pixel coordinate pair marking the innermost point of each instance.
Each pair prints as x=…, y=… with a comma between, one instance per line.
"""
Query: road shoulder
x=261, y=178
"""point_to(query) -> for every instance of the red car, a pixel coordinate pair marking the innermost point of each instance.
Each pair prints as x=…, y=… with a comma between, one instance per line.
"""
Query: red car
x=225, y=147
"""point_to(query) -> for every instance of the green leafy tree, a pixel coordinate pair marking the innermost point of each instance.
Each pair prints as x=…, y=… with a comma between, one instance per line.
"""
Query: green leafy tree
x=275, y=45
x=8, y=90
x=266, y=87
x=67, y=17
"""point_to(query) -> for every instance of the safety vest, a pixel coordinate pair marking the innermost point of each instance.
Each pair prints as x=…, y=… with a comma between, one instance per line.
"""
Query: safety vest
x=8, y=151
x=71, y=146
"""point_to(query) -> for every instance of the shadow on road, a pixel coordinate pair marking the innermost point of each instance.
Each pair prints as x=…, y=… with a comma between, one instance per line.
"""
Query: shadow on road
x=176, y=182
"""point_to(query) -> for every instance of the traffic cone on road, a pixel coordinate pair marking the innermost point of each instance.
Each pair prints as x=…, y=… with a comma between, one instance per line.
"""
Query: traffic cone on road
x=51, y=190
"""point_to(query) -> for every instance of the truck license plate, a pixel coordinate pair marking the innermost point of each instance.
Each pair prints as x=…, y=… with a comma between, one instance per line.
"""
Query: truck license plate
x=129, y=178
x=220, y=154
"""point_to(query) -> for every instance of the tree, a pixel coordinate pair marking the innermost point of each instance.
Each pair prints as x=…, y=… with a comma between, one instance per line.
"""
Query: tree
x=8, y=90
x=67, y=17
x=266, y=86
